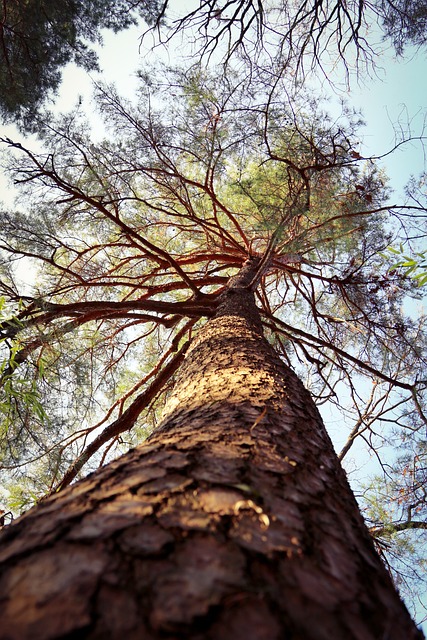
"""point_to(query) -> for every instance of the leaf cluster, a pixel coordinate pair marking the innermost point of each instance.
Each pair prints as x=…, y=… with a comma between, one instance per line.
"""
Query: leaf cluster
x=38, y=38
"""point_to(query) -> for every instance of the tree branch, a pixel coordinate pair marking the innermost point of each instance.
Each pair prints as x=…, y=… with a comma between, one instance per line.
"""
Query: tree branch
x=126, y=421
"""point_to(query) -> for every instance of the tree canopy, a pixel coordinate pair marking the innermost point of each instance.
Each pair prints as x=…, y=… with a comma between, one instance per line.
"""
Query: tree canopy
x=38, y=38
x=305, y=33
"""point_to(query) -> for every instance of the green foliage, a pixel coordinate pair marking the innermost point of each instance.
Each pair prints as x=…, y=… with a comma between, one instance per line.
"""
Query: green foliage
x=413, y=266
x=18, y=391
x=20, y=496
x=39, y=37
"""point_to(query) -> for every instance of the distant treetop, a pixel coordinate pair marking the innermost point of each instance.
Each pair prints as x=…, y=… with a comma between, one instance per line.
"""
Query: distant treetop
x=39, y=37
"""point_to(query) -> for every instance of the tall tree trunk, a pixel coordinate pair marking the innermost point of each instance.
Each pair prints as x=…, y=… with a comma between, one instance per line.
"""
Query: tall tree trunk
x=234, y=521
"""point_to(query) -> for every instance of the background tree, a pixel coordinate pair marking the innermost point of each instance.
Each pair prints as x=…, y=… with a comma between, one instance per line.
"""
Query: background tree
x=38, y=38
x=404, y=22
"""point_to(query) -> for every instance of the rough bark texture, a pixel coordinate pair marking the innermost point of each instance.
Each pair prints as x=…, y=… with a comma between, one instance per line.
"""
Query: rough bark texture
x=234, y=521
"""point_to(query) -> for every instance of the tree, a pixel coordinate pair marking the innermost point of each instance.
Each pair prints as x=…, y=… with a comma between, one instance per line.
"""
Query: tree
x=38, y=38
x=235, y=519
x=138, y=241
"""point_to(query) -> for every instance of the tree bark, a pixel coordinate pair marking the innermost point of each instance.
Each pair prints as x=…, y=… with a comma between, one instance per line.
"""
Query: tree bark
x=235, y=520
